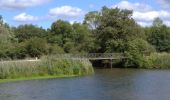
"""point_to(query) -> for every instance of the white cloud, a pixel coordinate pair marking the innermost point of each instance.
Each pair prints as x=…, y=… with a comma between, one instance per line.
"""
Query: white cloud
x=17, y=4
x=144, y=23
x=148, y=17
x=23, y=17
x=66, y=11
x=164, y=3
x=144, y=14
x=131, y=6
x=167, y=22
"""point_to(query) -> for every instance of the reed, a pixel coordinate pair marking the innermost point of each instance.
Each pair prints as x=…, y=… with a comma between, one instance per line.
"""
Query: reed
x=47, y=66
x=159, y=60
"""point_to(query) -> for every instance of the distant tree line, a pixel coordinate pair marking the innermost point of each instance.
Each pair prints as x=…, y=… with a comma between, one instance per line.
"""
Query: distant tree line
x=105, y=31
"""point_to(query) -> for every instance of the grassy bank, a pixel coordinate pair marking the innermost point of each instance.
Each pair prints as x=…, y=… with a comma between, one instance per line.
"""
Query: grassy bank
x=47, y=67
x=36, y=78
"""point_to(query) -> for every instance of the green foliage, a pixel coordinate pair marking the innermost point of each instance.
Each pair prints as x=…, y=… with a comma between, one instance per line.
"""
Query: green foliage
x=157, y=22
x=160, y=37
x=61, y=27
x=72, y=38
x=92, y=19
x=137, y=50
x=115, y=27
x=159, y=60
x=5, y=34
x=36, y=47
x=82, y=38
x=55, y=49
x=26, y=32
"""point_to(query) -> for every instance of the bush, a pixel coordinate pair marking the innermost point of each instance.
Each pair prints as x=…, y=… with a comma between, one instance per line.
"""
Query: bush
x=137, y=50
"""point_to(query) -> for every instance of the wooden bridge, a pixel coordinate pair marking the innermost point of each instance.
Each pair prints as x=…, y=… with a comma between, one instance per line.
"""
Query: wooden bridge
x=89, y=56
x=92, y=56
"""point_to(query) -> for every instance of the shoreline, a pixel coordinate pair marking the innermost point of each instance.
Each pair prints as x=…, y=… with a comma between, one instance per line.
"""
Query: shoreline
x=35, y=78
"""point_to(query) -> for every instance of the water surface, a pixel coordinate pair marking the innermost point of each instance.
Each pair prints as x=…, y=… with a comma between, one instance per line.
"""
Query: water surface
x=105, y=84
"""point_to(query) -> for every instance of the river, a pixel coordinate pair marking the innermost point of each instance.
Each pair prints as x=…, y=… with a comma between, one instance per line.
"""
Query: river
x=105, y=84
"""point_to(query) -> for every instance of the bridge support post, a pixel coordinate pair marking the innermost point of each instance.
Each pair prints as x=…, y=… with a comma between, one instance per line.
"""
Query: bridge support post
x=111, y=63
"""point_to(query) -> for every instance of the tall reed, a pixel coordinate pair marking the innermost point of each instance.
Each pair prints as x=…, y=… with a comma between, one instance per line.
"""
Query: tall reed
x=46, y=66
x=159, y=60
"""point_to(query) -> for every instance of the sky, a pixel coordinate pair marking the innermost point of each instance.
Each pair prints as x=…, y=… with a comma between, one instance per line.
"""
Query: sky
x=45, y=12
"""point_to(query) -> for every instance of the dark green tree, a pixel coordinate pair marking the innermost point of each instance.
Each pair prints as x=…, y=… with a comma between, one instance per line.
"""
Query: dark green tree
x=160, y=36
x=36, y=47
x=72, y=38
x=115, y=28
x=60, y=32
x=136, y=51
x=26, y=32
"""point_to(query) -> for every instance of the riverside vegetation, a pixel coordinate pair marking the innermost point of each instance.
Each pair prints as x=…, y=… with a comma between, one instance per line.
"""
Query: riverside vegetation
x=46, y=67
x=106, y=31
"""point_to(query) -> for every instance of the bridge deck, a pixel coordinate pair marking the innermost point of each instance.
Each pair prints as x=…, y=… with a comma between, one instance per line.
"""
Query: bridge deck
x=92, y=56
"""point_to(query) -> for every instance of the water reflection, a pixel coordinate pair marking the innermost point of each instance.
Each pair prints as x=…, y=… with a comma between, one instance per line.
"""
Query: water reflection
x=115, y=84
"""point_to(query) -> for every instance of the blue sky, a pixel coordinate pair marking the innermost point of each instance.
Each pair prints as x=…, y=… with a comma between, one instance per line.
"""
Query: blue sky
x=44, y=12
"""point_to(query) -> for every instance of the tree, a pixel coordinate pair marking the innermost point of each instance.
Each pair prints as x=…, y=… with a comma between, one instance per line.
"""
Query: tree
x=160, y=36
x=1, y=20
x=55, y=49
x=26, y=32
x=72, y=38
x=157, y=22
x=136, y=51
x=61, y=31
x=6, y=34
x=82, y=37
x=115, y=28
x=92, y=19
x=36, y=47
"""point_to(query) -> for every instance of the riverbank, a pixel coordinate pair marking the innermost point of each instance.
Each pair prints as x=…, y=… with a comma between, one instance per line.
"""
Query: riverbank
x=35, y=78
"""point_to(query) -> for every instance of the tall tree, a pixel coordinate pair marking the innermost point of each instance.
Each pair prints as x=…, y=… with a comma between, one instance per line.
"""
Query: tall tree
x=160, y=36
x=61, y=31
x=72, y=38
x=92, y=19
x=115, y=28
x=157, y=22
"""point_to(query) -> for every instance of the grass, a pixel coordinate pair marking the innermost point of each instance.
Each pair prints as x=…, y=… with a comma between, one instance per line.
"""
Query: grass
x=47, y=67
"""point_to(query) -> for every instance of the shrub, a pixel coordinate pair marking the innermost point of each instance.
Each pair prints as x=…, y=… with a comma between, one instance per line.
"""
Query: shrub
x=137, y=50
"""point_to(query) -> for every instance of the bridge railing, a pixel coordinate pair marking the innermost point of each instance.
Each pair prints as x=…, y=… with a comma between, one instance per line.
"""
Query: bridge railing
x=91, y=56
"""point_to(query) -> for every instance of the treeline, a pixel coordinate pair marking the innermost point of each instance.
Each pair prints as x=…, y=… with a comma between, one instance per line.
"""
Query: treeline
x=105, y=31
